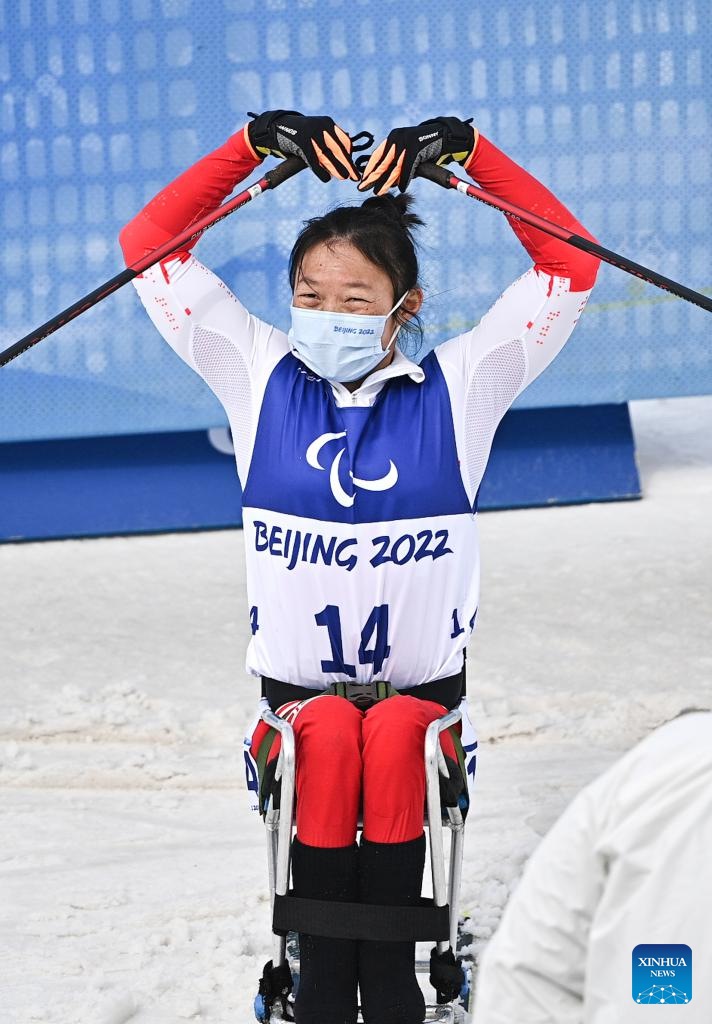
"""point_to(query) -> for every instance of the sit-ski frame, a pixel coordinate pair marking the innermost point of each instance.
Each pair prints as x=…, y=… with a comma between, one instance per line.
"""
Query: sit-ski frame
x=279, y=823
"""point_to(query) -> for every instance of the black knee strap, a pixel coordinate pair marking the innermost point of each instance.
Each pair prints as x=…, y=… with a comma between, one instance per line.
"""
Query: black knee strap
x=371, y=922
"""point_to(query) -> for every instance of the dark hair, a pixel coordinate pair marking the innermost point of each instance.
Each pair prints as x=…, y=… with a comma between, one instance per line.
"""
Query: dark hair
x=381, y=228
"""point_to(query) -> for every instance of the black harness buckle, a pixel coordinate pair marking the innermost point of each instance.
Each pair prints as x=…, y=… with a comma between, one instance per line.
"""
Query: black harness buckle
x=361, y=695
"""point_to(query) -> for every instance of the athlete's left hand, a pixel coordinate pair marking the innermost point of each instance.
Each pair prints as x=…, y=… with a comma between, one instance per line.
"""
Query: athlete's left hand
x=396, y=160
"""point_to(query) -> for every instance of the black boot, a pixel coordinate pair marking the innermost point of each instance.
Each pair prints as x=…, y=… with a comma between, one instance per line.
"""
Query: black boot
x=391, y=874
x=328, y=976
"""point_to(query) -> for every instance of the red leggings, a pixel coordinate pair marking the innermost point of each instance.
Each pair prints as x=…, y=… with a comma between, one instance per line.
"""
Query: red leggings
x=348, y=759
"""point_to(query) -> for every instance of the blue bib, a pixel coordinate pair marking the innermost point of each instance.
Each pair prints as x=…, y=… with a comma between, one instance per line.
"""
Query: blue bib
x=395, y=460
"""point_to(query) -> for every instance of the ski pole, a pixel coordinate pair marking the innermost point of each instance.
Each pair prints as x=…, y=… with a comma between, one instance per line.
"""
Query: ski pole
x=270, y=180
x=444, y=178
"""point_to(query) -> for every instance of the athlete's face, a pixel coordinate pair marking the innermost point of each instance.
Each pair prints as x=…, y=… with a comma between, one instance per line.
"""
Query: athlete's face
x=340, y=279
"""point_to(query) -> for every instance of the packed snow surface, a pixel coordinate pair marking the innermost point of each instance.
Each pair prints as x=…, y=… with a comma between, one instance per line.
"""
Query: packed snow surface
x=133, y=877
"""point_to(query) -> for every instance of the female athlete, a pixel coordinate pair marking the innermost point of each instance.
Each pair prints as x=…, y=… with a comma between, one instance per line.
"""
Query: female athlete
x=360, y=472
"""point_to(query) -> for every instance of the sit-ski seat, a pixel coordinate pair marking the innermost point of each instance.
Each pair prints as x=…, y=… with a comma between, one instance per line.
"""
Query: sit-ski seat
x=435, y=919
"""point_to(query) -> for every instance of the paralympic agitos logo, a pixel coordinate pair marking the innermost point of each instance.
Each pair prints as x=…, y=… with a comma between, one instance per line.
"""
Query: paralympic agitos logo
x=344, y=499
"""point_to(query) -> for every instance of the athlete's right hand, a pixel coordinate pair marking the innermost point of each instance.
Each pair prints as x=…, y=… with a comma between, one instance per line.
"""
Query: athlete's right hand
x=318, y=141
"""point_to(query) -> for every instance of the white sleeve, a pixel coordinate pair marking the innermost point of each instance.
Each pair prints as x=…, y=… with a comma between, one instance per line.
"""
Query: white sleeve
x=627, y=863
x=488, y=367
x=533, y=970
x=210, y=329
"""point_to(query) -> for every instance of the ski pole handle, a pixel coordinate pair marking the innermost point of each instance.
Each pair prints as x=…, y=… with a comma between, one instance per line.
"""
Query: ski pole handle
x=271, y=179
x=284, y=170
x=434, y=173
x=447, y=180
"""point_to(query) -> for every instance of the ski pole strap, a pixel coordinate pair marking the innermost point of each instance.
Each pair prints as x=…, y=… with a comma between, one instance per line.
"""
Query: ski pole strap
x=422, y=921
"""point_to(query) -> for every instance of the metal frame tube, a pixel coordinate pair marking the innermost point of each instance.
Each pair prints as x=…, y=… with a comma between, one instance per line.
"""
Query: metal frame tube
x=455, y=879
x=279, y=822
x=435, y=826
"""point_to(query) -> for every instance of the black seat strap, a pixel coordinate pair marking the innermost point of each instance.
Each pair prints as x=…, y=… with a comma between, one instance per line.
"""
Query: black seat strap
x=447, y=691
x=332, y=920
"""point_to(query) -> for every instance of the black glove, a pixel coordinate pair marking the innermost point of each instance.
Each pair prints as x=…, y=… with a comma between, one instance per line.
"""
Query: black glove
x=396, y=160
x=318, y=141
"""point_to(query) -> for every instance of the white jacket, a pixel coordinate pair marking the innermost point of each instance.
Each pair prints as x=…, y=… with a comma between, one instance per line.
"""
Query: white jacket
x=629, y=862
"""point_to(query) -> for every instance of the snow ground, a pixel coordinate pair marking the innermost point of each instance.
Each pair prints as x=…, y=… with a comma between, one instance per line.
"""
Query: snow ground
x=132, y=875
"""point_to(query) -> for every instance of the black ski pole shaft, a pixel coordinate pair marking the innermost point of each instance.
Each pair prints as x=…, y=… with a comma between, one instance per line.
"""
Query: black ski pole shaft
x=444, y=178
x=270, y=180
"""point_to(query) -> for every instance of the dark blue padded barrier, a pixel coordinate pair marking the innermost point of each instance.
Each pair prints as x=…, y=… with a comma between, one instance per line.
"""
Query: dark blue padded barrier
x=562, y=456
x=103, y=102
x=179, y=481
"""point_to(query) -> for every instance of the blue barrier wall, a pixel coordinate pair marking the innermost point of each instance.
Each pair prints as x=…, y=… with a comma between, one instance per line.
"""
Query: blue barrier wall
x=102, y=102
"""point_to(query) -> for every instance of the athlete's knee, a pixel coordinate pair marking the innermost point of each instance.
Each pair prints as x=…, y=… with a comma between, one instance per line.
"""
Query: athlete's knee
x=330, y=727
x=399, y=724
x=329, y=712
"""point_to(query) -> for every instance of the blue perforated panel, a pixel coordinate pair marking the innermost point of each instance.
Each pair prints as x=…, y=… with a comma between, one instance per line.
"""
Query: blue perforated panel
x=104, y=102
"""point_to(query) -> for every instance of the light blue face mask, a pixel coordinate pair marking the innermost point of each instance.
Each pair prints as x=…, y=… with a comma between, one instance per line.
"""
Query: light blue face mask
x=339, y=346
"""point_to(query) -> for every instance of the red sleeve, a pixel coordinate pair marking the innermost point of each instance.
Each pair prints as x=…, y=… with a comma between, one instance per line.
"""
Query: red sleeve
x=494, y=171
x=194, y=193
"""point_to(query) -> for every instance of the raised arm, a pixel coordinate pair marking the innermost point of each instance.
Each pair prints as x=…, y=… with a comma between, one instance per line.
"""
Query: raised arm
x=488, y=366
x=542, y=307
x=179, y=293
x=197, y=191
x=192, y=308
